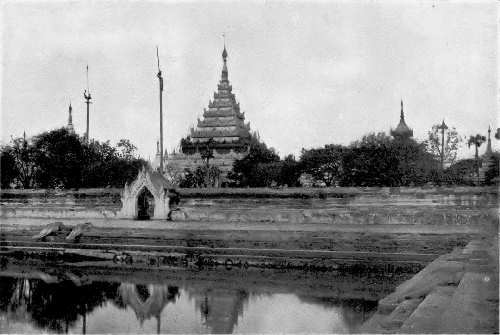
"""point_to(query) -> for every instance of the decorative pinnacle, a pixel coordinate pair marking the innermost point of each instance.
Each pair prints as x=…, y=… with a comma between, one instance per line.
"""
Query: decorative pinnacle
x=488, y=147
x=160, y=78
x=224, y=66
x=86, y=92
x=443, y=125
x=88, y=89
x=224, y=52
x=402, y=113
x=70, y=117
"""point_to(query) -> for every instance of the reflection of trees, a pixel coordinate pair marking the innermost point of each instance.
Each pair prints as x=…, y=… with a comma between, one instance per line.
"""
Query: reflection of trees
x=7, y=288
x=353, y=311
x=53, y=306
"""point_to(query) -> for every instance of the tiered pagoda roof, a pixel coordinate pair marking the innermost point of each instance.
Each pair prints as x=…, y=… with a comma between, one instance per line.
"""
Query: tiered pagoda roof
x=222, y=121
x=402, y=131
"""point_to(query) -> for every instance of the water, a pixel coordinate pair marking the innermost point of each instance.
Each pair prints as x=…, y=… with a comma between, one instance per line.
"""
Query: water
x=36, y=299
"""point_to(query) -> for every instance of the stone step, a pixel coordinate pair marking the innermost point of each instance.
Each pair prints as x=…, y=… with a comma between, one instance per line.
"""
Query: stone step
x=398, y=316
x=427, y=316
x=440, y=272
x=474, y=305
x=373, y=324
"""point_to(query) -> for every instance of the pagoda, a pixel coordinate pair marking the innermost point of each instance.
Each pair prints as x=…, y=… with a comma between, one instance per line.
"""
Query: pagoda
x=488, y=161
x=222, y=132
x=402, y=131
x=70, y=128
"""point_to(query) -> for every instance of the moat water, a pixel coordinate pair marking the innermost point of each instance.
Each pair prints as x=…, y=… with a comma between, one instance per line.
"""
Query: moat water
x=65, y=300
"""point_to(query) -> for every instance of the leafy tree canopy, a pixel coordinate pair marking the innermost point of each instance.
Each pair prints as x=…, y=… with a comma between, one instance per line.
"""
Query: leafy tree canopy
x=452, y=142
x=61, y=159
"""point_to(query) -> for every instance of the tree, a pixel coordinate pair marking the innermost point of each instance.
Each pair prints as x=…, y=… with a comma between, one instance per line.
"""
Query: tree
x=446, y=150
x=105, y=165
x=8, y=168
x=126, y=150
x=59, y=157
x=173, y=175
x=415, y=165
x=460, y=172
x=254, y=170
x=206, y=155
x=290, y=171
x=212, y=174
x=379, y=160
x=324, y=164
x=24, y=155
x=370, y=162
x=476, y=141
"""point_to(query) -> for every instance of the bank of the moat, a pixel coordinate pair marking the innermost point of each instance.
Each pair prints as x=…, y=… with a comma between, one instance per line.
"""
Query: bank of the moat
x=456, y=293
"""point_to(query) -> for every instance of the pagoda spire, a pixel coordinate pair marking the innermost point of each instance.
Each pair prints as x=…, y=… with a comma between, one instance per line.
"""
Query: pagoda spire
x=402, y=116
x=488, y=146
x=70, y=127
x=402, y=131
x=224, y=58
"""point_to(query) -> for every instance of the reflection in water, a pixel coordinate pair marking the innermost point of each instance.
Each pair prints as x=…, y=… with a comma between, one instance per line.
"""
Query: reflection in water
x=220, y=308
x=199, y=303
x=147, y=301
x=51, y=306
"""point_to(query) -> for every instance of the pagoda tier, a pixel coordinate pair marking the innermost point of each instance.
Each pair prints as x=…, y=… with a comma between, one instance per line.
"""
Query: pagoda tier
x=222, y=121
x=236, y=133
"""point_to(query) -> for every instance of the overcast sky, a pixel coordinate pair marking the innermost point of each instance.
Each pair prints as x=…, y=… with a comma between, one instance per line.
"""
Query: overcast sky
x=305, y=73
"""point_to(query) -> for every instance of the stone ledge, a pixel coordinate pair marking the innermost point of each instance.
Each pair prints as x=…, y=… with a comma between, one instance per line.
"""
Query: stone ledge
x=472, y=306
x=426, y=317
x=459, y=292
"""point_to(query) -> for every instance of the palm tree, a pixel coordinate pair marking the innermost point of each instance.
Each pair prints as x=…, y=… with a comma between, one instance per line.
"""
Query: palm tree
x=476, y=141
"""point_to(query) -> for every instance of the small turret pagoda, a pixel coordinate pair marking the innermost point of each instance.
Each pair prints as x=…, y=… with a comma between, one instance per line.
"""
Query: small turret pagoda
x=488, y=161
x=70, y=127
x=489, y=151
x=222, y=130
x=402, y=131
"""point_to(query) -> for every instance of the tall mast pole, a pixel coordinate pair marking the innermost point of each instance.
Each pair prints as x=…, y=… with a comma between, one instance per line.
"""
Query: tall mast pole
x=87, y=96
x=443, y=127
x=160, y=79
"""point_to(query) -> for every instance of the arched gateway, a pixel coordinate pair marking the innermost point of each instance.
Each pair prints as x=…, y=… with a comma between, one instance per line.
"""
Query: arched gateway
x=146, y=197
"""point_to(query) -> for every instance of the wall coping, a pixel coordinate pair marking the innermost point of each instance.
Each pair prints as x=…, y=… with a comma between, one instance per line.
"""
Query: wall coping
x=277, y=192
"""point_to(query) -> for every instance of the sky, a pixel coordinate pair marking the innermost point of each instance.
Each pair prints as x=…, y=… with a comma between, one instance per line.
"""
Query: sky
x=306, y=74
